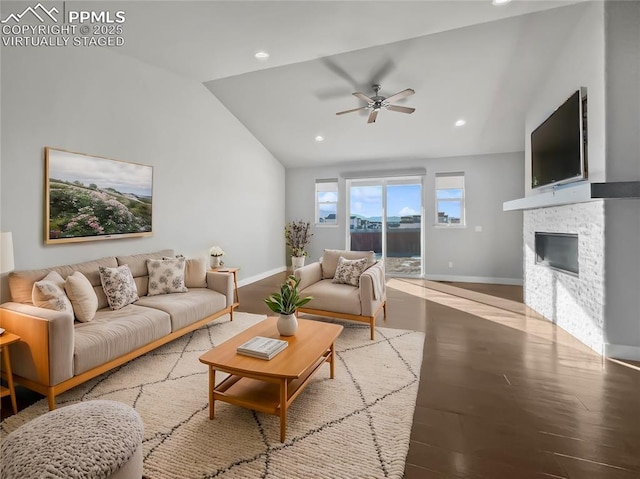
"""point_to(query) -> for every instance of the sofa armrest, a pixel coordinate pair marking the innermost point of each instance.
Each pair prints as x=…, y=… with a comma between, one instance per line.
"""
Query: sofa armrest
x=222, y=283
x=308, y=275
x=44, y=353
x=372, y=289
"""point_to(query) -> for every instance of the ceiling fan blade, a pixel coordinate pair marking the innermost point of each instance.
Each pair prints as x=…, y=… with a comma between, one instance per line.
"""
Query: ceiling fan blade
x=352, y=110
x=401, y=94
x=401, y=109
x=372, y=116
x=362, y=96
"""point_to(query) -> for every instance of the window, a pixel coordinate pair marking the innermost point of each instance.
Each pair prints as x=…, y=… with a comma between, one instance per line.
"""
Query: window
x=327, y=202
x=450, y=199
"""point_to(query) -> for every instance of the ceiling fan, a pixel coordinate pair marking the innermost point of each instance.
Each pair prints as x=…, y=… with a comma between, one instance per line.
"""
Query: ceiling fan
x=377, y=103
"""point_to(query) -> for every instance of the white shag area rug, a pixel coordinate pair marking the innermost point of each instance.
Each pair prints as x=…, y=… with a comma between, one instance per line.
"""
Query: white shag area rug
x=354, y=426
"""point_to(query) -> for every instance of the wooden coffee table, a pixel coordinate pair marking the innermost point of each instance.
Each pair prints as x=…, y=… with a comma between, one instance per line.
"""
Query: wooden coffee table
x=270, y=386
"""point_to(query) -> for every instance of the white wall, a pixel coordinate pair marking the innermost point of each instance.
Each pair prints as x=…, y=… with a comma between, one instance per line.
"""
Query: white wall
x=214, y=183
x=622, y=233
x=494, y=255
x=579, y=63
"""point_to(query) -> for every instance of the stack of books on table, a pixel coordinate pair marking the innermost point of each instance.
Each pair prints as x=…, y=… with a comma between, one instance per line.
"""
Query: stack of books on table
x=262, y=348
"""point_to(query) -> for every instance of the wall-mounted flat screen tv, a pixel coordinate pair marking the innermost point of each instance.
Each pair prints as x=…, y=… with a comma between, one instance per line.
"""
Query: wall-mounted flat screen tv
x=559, y=144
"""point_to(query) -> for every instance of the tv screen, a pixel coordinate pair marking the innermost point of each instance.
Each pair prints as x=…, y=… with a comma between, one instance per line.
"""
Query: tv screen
x=558, y=153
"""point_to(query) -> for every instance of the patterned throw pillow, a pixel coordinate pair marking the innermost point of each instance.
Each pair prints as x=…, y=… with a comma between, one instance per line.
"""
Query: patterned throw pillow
x=349, y=271
x=49, y=293
x=118, y=285
x=166, y=276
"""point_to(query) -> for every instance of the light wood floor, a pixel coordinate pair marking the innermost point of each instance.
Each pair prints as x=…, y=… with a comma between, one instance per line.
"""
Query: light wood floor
x=503, y=393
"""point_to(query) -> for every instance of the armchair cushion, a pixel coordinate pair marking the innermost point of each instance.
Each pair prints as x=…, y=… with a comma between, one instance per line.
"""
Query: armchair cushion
x=349, y=271
x=328, y=296
x=331, y=256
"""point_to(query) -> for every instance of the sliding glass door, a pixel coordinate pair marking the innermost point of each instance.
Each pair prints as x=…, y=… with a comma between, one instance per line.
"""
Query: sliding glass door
x=385, y=215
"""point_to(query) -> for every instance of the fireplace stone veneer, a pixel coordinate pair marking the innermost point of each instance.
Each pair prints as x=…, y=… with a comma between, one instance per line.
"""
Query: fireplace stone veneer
x=575, y=303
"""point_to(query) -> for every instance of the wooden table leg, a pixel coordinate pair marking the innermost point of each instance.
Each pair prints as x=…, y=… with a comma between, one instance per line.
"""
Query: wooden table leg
x=12, y=391
x=212, y=385
x=283, y=409
x=333, y=358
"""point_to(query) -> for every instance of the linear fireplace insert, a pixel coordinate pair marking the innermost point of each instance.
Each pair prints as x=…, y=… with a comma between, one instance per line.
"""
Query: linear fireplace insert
x=557, y=251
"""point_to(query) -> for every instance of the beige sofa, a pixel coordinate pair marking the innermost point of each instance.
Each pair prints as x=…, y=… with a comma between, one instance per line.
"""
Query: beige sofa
x=358, y=303
x=57, y=352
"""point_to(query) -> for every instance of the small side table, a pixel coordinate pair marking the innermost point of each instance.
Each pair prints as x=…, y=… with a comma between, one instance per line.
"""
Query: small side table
x=5, y=340
x=233, y=271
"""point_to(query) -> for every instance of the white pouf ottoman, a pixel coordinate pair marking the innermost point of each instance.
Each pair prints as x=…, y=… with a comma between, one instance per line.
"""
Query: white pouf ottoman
x=92, y=439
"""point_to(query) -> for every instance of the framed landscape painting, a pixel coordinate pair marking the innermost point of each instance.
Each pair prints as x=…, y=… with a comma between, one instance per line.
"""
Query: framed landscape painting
x=92, y=198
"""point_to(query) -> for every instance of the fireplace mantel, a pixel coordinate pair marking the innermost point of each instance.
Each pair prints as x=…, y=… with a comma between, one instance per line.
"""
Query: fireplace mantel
x=576, y=193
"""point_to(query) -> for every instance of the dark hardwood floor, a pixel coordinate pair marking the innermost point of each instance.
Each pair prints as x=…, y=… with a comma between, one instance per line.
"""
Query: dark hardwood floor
x=503, y=393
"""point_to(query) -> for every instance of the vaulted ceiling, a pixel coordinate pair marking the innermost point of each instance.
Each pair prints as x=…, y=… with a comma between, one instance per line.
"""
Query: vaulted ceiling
x=465, y=60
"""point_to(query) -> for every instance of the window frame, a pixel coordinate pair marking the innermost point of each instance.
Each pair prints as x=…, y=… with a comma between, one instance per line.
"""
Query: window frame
x=461, y=201
x=318, y=203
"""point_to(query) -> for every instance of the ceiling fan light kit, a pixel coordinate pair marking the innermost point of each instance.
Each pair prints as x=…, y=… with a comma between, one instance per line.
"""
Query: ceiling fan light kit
x=378, y=102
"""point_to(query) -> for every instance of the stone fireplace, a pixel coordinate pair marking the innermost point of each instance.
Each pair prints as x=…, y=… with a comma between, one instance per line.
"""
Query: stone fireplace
x=574, y=300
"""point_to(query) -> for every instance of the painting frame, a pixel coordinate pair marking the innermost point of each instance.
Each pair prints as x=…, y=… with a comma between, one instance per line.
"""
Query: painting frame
x=92, y=198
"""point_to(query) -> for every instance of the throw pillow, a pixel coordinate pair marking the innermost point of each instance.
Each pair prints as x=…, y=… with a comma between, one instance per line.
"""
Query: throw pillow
x=49, y=293
x=166, y=276
x=83, y=297
x=195, y=272
x=349, y=271
x=118, y=285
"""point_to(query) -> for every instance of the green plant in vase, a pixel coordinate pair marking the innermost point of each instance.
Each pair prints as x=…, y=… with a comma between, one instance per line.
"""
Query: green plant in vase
x=285, y=303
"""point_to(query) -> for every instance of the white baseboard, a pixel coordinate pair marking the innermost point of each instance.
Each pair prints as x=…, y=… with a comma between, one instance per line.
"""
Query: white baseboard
x=622, y=351
x=473, y=279
x=258, y=277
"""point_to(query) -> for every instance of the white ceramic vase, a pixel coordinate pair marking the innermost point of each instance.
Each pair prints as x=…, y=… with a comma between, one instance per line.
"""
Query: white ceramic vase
x=297, y=262
x=287, y=324
x=215, y=261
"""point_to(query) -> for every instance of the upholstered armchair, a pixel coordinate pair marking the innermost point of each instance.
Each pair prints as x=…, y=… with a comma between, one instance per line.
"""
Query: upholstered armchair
x=346, y=285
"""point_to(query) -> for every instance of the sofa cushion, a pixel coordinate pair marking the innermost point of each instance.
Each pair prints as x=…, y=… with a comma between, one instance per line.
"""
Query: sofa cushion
x=138, y=265
x=349, y=271
x=119, y=286
x=195, y=273
x=83, y=298
x=21, y=282
x=186, y=308
x=166, y=276
x=114, y=333
x=331, y=256
x=49, y=293
x=328, y=296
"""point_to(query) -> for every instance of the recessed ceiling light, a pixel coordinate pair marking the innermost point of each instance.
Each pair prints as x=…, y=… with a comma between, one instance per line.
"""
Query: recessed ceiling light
x=262, y=55
x=500, y=2
x=319, y=138
x=460, y=122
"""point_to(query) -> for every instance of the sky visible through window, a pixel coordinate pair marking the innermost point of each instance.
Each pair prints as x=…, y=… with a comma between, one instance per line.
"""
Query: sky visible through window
x=402, y=200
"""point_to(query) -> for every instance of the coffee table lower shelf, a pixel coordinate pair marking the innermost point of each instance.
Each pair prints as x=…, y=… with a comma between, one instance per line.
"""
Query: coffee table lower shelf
x=270, y=395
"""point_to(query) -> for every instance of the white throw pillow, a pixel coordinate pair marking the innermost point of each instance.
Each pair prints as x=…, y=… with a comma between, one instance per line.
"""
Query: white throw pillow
x=166, y=276
x=49, y=293
x=349, y=271
x=83, y=297
x=118, y=285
